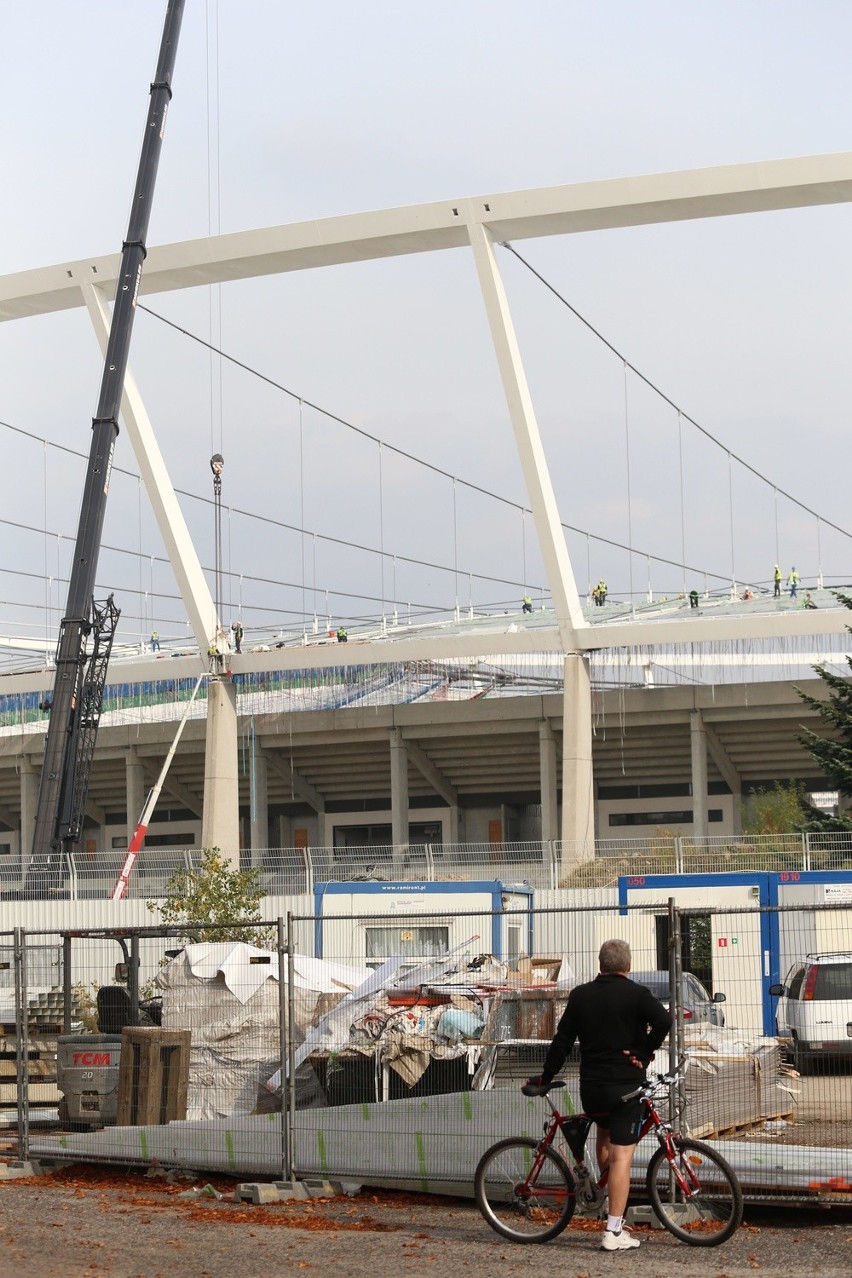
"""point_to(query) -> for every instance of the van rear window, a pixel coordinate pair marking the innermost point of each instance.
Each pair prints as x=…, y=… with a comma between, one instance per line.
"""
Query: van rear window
x=833, y=981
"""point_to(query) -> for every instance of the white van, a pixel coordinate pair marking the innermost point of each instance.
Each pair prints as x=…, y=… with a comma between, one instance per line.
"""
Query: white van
x=815, y=1008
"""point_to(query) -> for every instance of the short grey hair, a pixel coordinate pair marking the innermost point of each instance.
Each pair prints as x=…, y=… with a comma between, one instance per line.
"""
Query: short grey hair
x=614, y=957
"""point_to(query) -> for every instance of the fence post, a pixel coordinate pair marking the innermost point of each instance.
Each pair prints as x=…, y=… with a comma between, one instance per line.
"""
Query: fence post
x=22, y=1045
x=430, y=863
x=67, y=987
x=678, y=851
x=73, y=886
x=133, y=978
x=291, y=1050
x=284, y=1048
x=806, y=851
x=676, y=1007
x=309, y=871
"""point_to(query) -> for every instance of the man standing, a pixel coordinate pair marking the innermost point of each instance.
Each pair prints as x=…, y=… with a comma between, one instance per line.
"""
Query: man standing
x=619, y=1026
x=793, y=582
x=777, y=579
x=237, y=628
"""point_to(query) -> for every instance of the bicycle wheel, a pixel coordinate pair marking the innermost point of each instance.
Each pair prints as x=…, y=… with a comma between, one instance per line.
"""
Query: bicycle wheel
x=711, y=1210
x=524, y=1203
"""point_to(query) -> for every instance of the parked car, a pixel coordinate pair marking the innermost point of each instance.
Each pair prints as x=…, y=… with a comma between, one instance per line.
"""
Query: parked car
x=698, y=1003
x=814, y=1011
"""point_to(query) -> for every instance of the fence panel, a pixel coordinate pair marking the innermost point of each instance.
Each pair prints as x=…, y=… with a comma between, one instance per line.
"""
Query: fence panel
x=447, y=1003
x=544, y=865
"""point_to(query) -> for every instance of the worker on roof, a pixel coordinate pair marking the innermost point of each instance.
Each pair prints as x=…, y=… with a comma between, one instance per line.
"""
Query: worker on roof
x=342, y=636
x=776, y=577
x=793, y=580
x=526, y=606
x=238, y=636
x=602, y=591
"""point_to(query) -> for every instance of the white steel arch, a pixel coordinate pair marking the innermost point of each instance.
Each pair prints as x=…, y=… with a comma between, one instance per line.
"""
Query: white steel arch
x=475, y=223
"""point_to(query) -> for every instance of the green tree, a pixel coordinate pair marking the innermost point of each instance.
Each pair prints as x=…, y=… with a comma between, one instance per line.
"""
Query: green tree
x=215, y=893
x=833, y=753
x=778, y=810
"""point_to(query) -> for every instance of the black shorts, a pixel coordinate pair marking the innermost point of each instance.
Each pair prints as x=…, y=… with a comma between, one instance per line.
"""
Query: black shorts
x=603, y=1103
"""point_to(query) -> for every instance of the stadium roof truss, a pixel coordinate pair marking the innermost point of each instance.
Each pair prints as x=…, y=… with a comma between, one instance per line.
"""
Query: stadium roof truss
x=475, y=223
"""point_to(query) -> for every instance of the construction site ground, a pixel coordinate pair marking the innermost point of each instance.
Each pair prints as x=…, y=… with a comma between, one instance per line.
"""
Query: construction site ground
x=88, y=1222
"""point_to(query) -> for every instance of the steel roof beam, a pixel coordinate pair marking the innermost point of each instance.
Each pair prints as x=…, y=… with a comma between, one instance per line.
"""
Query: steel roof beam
x=722, y=191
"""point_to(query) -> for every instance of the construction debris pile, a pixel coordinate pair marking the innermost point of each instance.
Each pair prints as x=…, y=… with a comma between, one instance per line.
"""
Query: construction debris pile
x=449, y=1025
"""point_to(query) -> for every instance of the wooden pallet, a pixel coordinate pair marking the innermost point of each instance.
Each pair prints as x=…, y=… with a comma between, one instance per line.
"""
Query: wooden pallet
x=706, y=1131
x=40, y=1093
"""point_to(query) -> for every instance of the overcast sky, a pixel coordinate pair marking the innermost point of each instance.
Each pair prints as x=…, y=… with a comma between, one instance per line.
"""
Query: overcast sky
x=286, y=112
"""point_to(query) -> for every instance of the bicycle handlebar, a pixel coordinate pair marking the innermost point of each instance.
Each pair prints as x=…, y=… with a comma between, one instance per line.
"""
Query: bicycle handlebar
x=533, y=1088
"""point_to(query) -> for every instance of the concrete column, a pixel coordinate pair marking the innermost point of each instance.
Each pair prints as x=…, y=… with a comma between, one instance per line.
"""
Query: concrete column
x=455, y=824
x=399, y=797
x=259, y=806
x=578, y=794
x=547, y=765
x=220, y=824
x=135, y=783
x=29, y=798
x=698, y=742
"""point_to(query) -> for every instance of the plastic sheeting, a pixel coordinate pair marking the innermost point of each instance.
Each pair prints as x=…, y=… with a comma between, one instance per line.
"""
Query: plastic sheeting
x=230, y=1003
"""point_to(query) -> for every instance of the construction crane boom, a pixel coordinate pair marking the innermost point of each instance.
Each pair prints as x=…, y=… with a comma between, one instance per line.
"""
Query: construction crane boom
x=86, y=630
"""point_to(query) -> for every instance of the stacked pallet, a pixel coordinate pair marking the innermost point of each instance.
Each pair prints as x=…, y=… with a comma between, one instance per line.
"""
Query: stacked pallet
x=729, y=1093
x=44, y=1025
x=41, y=1072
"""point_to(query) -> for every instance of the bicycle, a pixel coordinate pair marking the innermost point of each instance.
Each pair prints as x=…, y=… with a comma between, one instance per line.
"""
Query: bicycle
x=528, y=1193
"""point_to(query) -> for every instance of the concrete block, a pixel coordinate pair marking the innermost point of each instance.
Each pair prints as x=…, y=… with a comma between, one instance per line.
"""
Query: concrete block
x=322, y=1188
x=17, y=1168
x=252, y=1192
x=292, y=1190
x=644, y=1214
x=262, y=1192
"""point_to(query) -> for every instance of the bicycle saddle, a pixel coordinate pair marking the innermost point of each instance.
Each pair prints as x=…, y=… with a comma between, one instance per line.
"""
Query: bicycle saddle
x=531, y=1088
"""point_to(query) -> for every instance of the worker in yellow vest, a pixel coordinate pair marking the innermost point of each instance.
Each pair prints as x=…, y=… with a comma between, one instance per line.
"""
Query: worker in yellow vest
x=793, y=581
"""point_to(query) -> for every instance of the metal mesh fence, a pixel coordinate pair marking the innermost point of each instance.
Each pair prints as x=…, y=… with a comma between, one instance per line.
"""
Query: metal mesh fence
x=546, y=865
x=382, y=1039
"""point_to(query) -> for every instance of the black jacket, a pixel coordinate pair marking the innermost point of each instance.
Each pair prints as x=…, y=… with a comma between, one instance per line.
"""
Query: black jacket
x=608, y=1015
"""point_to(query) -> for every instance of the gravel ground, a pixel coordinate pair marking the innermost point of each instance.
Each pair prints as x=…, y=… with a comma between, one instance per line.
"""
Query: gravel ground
x=90, y=1223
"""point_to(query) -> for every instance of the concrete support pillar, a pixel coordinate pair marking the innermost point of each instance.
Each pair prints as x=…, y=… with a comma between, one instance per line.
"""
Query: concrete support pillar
x=578, y=795
x=220, y=824
x=698, y=742
x=258, y=806
x=399, y=797
x=135, y=782
x=454, y=834
x=547, y=765
x=29, y=798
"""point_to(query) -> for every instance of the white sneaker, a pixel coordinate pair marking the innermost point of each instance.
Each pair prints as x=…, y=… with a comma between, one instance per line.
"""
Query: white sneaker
x=622, y=1241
